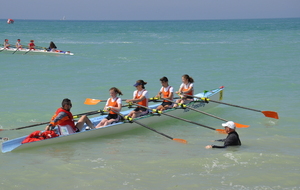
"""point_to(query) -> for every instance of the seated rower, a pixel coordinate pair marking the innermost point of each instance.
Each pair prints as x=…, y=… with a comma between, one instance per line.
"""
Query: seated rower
x=185, y=89
x=31, y=45
x=6, y=45
x=140, y=96
x=113, y=103
x=18, y=44
x=52, y=47
x=166, y=91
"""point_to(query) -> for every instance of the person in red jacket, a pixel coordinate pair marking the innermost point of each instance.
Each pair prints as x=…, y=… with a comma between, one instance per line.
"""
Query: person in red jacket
x=63, y=118
x=31, y=45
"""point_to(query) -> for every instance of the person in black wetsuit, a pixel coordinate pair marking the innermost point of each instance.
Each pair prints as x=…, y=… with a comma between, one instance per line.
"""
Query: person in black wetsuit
x=231, y=140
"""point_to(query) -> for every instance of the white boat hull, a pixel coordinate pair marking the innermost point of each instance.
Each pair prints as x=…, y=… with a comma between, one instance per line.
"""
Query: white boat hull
x=217, y=94
x=36, y=51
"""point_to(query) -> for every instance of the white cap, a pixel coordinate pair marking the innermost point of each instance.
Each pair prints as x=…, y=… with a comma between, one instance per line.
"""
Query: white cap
x=229, y=124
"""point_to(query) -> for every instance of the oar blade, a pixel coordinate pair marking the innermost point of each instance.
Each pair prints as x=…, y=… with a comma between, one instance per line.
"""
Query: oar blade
x=180, y=140
x=238, y=125
x=271, y=114
x=90, y=101
x=222, y=131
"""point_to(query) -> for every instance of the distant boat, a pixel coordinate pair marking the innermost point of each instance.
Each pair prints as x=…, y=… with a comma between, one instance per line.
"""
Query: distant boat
x=10, y=21
x=64, y=18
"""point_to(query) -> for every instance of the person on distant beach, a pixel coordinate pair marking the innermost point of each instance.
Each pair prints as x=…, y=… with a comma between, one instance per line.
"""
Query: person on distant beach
x=6, y=44
x=63, y=118
x=115, y=103
x=166, y=91
x=185, y=89
x=140, y=96
x=18, y=44
x=231, y=140
x=31, y=45
x=52, y=47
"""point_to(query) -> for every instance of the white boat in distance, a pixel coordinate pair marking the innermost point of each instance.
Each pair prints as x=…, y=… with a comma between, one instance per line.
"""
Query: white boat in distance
x=36, y=51
x=149, y=120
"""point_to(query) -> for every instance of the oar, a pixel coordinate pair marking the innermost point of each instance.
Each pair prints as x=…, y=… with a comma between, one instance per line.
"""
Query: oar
x=238, y=125
x=160, y=112
x=15, y=51
x=134, y=121
x=75, y=116
x=271, y=114
x=27, y=52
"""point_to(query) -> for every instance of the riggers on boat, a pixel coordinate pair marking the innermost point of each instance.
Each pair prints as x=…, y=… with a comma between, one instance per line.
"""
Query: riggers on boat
x=35, y=51
x=216, y=94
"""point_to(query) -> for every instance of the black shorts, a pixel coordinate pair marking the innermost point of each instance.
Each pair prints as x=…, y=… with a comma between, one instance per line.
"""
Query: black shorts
x=112, y=116
x=140, y=109
x=167, y=103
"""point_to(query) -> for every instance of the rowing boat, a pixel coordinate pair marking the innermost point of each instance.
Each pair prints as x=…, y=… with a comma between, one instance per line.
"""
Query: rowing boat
x=36, y=51
x=215, y=94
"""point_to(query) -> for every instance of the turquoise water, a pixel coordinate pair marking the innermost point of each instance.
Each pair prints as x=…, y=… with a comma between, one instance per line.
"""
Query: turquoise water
x=256, y=60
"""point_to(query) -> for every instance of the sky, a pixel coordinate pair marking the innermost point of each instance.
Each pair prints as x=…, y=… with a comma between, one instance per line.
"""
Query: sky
x=148, y=9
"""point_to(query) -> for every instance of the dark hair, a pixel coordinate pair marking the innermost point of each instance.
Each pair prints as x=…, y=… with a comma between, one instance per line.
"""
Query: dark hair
x=164, y=79
x=65, y=101
x=190, y=79
x=143, y=83
x=116, y=90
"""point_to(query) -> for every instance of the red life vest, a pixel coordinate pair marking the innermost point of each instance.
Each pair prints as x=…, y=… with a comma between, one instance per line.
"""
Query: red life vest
x=68, y=120
x=38, y=135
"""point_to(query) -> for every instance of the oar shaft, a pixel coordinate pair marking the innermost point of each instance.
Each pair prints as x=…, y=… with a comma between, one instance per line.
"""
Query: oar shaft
x=132, y=120
x=179, y=118
x=198, y=111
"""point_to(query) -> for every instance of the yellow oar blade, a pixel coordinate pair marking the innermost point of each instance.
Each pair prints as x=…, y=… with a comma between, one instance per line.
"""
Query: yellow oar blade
x=180, y=140
x=271, y=114
x=222, y=131
x=238, y=125
x=90, y=101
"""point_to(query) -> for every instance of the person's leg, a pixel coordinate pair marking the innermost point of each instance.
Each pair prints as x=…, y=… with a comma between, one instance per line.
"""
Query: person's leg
x=84, y=119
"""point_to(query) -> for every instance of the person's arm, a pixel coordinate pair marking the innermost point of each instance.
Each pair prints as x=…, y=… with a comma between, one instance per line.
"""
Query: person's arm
x=144, y=95
x=221, y=140
x=159, y=93
x=191, y=86
x=180, y=89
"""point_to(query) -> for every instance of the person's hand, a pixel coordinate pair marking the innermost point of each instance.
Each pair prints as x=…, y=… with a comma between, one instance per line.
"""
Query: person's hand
x=208, y=147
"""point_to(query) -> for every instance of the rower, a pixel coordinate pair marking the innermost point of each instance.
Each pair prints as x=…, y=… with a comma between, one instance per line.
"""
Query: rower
x=140, y=96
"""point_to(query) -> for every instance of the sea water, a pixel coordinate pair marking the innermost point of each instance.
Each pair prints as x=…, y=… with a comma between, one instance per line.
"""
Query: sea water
x=256, y=60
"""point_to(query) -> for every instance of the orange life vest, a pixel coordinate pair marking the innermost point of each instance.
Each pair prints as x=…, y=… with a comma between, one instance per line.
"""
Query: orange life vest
x=144, y=102
x=186, y=89
x=167, y=94
x=112, y=104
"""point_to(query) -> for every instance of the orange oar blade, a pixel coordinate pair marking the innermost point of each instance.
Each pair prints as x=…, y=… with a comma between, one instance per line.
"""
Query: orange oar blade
x=271, y=114
x=180, y=140
x=238, y=125
x=222, y=131
x=90, y=101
